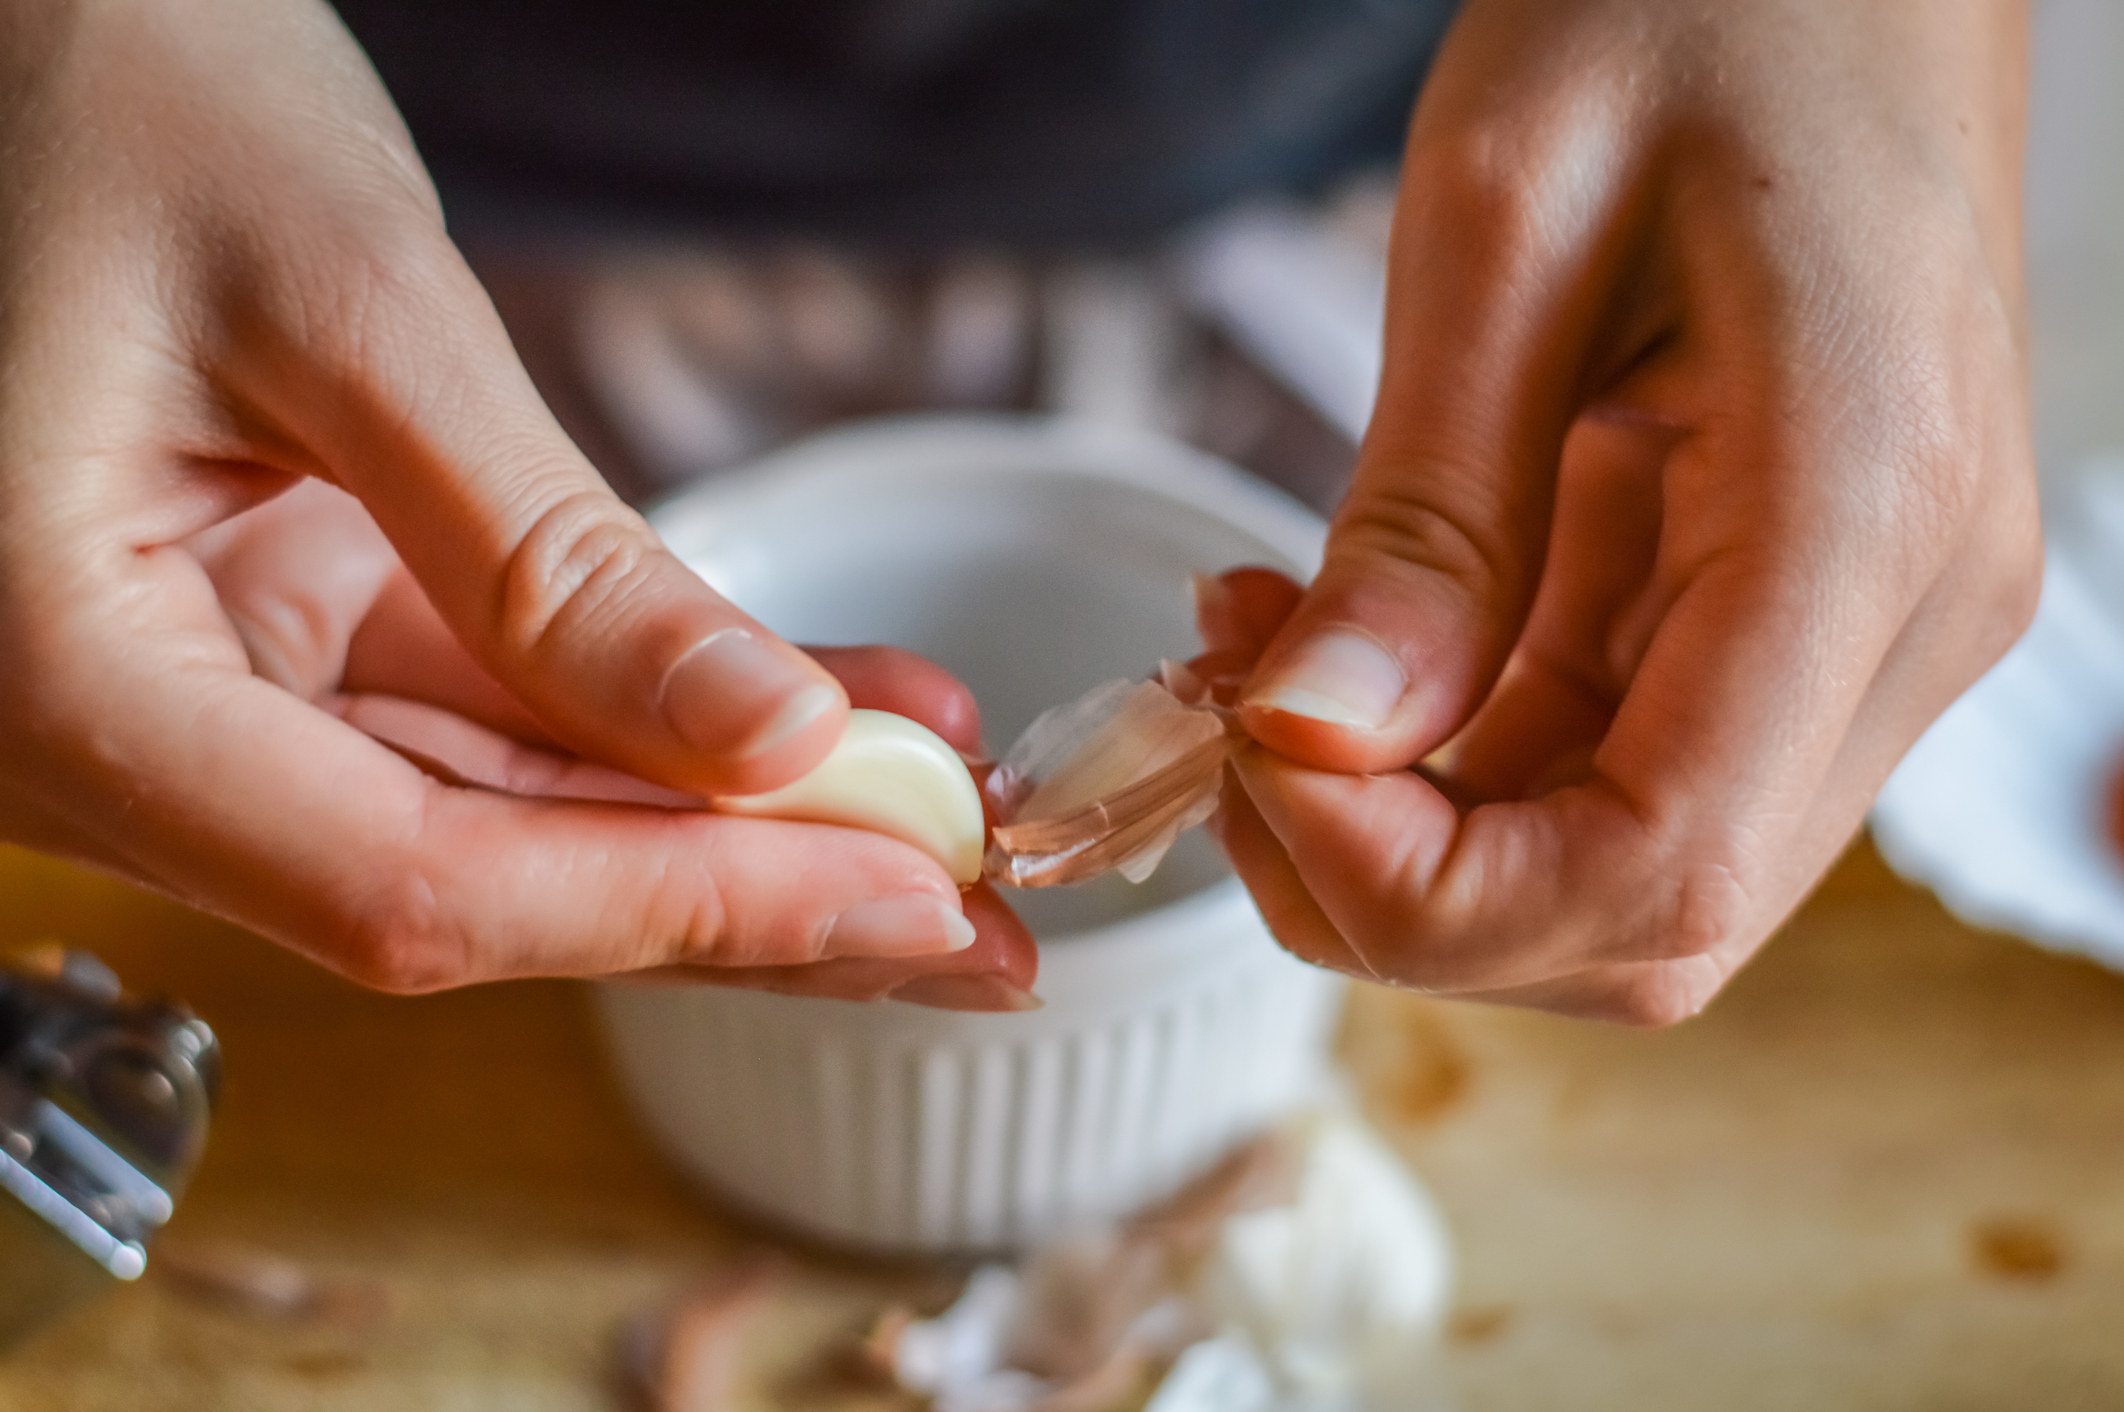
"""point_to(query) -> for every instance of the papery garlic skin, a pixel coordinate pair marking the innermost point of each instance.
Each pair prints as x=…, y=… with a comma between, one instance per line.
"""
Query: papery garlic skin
x=891, y=776
x=1341, y=1293
x=1104, y=784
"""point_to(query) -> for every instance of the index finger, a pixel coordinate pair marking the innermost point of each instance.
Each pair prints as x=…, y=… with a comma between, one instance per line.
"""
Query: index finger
x=391, y=370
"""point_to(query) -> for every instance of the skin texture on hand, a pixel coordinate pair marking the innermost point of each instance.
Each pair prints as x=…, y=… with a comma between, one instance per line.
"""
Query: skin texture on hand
x=1699, y=484
x=225, y=289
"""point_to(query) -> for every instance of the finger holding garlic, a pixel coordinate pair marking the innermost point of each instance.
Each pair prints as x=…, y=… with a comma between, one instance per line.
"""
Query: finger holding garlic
x=892, y=776
x=1100, y=784
x=995, y=975
x=808, y=873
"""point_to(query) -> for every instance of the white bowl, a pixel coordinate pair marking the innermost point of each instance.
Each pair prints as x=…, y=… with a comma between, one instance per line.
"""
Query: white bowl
x=1035, y=558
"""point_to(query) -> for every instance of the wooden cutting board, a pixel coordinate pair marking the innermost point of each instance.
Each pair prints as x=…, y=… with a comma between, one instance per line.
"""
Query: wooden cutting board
x=1885, y=1171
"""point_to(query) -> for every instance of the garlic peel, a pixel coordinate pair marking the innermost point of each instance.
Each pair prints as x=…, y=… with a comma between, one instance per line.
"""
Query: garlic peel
x=1105, y=783
x=892, y=776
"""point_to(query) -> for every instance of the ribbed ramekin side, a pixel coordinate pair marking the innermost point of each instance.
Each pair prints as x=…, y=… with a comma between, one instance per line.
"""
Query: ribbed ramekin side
x=946, y=1136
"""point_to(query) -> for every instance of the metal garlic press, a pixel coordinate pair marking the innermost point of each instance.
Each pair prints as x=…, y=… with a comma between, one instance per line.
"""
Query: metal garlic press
x=104, y=1101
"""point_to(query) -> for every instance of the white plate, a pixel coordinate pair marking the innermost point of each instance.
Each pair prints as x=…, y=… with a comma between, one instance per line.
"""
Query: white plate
x=1999, y=808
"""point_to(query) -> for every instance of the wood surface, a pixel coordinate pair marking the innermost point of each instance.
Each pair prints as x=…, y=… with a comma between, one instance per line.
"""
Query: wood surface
x=1886, y=1170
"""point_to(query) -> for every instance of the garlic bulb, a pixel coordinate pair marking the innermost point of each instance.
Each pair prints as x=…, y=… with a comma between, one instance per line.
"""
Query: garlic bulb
x=891, y=776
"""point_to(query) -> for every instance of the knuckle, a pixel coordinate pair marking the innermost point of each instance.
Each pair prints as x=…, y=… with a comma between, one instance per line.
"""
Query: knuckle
x=397, y=940
x=576, y=568
x=685, y=919
x=1658, y=997
x=1986, y=586
x=1709, y=909
x=1482, y=179
x=1697, y=875
x=399, y=256
x=366, y=301
x=386, y=173
x=1402, y=521
x=2009, y=602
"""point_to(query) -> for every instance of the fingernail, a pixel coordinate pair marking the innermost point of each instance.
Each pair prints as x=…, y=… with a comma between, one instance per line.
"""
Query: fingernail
x=1340, y=676
x=899, y=926
x=734, y=694
x=985, y=994
x=796, y=713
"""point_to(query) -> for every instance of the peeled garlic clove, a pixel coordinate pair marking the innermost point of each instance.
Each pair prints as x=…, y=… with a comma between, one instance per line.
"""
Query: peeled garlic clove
x=890, y=776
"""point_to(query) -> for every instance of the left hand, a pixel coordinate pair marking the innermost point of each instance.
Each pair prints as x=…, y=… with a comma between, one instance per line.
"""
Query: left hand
x=328, y=612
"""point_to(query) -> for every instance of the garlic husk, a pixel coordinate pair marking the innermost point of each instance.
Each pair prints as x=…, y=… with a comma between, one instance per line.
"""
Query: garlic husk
x=1342, y=1292
x=1105, y=783
x=1308, y=1272
x=891, y=776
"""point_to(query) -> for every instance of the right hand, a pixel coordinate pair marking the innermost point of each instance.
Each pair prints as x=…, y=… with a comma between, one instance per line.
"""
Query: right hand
x=223, y=273
x=1700, y=483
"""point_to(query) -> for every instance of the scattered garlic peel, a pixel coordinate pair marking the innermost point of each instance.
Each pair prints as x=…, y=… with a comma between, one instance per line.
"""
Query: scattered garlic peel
x=1114, y=1384
x=260, y=1283
x=685, y=1357
x=876, y=1355
x=1081, y=1296
x=1260, y=1174
x=964, y=1343
x=891, y=776
x=1307, y=1269
x=1343, y=1291
x=1221, y=1374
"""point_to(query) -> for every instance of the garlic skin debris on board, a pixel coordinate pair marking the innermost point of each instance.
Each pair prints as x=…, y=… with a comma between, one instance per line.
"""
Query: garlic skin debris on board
x=891, y=776
x=1308, y=1272
x=1340, y=1292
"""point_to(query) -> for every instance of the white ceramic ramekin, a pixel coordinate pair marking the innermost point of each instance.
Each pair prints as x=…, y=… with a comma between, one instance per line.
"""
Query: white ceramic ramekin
x=1035, y=558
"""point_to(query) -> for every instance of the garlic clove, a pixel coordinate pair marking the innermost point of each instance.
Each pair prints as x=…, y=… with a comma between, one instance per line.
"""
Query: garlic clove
x=891, y=776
